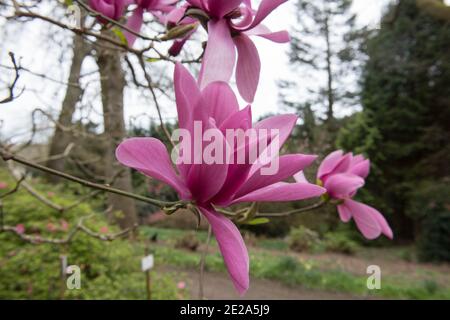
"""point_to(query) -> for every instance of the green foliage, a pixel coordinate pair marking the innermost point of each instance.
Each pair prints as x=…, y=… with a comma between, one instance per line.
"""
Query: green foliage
x=430, y=205
x=303, y=239
x=434, y=242
x=188, y=241
x=340, y=243
x=109, y=270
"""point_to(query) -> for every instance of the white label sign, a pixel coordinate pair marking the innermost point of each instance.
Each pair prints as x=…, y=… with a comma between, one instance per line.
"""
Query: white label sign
x=147, y=262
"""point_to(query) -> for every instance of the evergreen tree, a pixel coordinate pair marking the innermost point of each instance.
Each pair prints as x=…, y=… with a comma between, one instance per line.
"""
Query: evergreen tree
x=404, y=127
x=324, y=57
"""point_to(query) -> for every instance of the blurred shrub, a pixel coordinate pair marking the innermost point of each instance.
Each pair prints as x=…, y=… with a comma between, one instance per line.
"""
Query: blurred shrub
x=340, y=243
x=33, y=271
x=434, y=244
x=431, y=206
x=188, y=241
x=303, y=239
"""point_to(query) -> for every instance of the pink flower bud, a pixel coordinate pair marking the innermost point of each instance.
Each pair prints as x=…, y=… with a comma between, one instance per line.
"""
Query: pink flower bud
x=20, y=228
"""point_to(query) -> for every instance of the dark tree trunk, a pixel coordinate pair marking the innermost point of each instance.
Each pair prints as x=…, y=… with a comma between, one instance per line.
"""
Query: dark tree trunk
x=62, y=138
x=330, y=93
x=112, y=88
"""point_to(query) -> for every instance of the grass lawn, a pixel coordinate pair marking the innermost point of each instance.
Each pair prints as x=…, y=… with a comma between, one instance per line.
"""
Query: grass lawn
x=271, y=259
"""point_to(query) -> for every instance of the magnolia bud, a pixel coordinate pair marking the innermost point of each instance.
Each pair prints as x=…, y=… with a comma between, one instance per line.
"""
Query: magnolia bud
x=179, y=31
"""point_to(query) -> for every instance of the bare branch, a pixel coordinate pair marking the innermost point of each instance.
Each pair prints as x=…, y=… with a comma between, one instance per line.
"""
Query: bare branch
x=170, y=206
x=80, y=228
x=11, y=87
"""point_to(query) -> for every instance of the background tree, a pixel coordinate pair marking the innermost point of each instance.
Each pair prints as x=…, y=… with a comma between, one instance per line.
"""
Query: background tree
x=320, y=52
x=61, y=138
x=112, y=89
x=404, y=127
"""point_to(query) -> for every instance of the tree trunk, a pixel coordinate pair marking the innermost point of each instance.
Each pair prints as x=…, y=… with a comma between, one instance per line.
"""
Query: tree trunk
x=62, y=138
x=330, y=93
x=112, y=88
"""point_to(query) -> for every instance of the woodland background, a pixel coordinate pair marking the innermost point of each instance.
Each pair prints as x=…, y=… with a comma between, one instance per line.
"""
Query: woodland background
x=383, y=91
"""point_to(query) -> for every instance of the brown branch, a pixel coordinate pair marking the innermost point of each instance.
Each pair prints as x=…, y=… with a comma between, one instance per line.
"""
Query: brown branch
x=15, y=189
x=170, y=206
x=80, y=228
x=291, y=212
x=11, y=87
x=97, y=14
x=155, y=100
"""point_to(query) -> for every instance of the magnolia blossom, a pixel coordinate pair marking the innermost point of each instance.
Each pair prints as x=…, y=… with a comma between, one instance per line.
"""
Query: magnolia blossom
x=209, y=186
x=177, y=18
x=230, y=24
x=20, y=228
x=156, y=7
x=342, y=175
x=113, y=9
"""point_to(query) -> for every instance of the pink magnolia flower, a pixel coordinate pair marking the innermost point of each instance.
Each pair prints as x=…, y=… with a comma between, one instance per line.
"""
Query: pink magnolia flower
x=20, y=228
x=230, y=25
x=156, y=7
x=51, y=227
x=64, y=225
x=3, y=185
x=342, y=175
x=104, y=230
x=220, y=184
x=113, y=9
x=181, y=285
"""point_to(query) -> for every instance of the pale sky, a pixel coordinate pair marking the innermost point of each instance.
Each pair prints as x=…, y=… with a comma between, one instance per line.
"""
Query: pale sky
x=35, y=55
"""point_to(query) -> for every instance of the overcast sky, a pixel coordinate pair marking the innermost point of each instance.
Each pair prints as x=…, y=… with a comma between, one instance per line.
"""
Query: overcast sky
x=35, y=55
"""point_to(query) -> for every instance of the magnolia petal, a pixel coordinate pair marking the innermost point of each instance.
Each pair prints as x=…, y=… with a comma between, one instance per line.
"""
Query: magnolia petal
x=283, y=125
x=238, y=170
x=329, y=163
x=205, y=180
x=187, y=94
x=288, y=165
x=248, y=67
x=361, y=169
x=196, y=3
x=283, y=191
x=264, y=9
x=385, y=228
x=134, y=23
x=149, y=156
x=219, y=8
x=105, y=8
x=220, y=54
x=300, y=177
x=232, y=247
x=264, y=32
x=220, y=102
x=344, y=213
x=343, y=185
x=366, y=222
x=241, y=119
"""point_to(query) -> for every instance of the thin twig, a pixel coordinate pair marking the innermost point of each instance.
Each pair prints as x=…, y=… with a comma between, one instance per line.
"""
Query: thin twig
x=7, y=156
x=11, y=96
x=155, y=100
x=15, y=189
x=295, y=211
x=80, y=227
